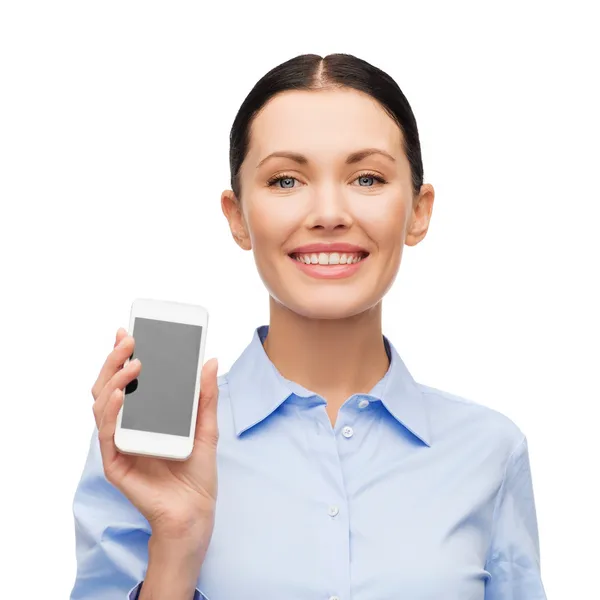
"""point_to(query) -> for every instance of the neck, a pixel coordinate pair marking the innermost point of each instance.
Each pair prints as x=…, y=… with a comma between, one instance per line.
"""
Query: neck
x=334, y=358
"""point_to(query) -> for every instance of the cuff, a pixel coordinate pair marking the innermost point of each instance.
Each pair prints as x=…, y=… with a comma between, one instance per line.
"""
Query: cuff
x=135, y=592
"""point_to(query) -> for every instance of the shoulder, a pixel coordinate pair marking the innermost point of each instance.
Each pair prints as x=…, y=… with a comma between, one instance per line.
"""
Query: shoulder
x=451, y=414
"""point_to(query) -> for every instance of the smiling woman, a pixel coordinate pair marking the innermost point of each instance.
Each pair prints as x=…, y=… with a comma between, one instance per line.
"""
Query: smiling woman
x=339, y=475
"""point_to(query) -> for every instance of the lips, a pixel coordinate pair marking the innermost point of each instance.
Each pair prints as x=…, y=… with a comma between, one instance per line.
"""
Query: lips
x=328, y=248
x=320, y=269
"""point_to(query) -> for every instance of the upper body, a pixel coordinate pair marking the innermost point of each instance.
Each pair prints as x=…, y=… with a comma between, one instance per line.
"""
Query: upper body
x=413, y=493
x=339, y=476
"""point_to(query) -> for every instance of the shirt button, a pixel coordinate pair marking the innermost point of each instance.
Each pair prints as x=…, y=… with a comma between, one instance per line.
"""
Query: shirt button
x=363, y=404
x=334, y=598
x=347, y=432
x=333, y=511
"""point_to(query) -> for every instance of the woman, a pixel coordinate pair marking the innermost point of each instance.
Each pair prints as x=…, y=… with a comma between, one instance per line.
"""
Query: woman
x=340, y=477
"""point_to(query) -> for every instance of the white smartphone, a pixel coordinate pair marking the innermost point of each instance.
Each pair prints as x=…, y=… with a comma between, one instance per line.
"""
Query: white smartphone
x=158, y=416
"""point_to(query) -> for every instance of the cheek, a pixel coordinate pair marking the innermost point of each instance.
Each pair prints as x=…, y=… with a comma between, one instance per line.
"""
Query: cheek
x=271, y=222
x=385, y=223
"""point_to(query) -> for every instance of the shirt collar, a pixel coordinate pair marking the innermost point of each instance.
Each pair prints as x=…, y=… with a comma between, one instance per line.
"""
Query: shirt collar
x=257, y=389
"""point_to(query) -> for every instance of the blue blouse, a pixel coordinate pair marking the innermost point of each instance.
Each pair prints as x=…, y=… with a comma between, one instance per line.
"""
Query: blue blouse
x=415, y=493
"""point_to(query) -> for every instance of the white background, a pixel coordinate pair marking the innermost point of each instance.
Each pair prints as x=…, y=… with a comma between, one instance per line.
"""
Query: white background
x=114, y=125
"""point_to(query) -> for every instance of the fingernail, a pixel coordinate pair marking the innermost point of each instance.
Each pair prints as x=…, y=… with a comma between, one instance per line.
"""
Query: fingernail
x=122, y=342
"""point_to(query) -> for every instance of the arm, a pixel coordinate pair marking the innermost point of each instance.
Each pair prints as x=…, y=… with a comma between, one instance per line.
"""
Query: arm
x=114, y=546
x=514, y=555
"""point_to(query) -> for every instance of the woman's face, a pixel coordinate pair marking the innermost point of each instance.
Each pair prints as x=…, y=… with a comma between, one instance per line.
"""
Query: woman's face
x=332, y=191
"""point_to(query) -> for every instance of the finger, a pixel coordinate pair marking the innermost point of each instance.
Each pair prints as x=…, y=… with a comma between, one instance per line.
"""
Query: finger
x=206, y=423
x=114, y=361
x=121, y=333
x=118, y=381
x=106, y=431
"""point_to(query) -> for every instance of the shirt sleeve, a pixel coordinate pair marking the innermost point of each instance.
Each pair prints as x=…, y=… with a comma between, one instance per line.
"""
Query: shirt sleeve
x=111, y=537
x=514, y=555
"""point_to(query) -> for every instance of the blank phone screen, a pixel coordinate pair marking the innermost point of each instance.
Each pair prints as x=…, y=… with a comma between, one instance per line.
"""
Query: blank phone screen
x=161, y=399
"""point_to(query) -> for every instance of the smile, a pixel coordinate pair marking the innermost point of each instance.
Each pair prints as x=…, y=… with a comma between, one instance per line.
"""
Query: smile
x=329, y=265
x=330, y=258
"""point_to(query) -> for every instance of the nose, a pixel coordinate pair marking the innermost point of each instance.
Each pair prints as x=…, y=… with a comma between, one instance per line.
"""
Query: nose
x=329, y=210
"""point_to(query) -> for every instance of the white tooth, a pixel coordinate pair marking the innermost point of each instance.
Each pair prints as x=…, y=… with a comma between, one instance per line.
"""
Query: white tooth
x=334, y=258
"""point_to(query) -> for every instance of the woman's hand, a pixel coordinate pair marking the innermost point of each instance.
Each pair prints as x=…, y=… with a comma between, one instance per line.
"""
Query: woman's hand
x=177, y=498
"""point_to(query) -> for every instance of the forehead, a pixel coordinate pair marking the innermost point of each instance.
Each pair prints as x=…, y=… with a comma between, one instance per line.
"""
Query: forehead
x=323, y=124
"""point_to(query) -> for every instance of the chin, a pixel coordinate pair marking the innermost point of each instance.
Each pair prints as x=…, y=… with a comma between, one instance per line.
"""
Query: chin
x=332, y=310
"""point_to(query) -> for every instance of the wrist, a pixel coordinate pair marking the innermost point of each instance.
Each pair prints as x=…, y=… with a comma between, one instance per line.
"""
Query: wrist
x=188, y=532
x=173, y=568
x=186, y=549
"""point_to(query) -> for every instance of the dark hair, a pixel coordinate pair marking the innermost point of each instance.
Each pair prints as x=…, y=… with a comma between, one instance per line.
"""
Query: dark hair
x=313, y=72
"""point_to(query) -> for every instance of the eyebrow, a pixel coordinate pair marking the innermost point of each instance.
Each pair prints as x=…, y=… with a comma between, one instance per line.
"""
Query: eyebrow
x=351, y=159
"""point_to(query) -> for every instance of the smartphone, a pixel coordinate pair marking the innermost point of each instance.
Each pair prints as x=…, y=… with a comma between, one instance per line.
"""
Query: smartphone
x=158, y=415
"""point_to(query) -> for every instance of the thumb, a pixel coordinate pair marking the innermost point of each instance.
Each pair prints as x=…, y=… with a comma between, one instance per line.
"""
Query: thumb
x=206, y=422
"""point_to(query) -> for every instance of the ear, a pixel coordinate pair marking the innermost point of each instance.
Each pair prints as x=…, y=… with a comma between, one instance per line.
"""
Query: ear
x=421, y=215
x=233, y=213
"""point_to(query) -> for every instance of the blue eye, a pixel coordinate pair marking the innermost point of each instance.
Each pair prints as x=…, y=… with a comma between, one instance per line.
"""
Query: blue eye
x=367, y=176
x=285, y=180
